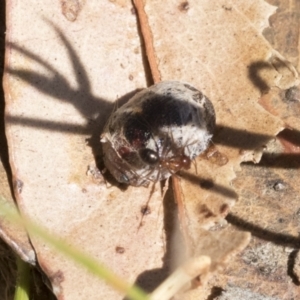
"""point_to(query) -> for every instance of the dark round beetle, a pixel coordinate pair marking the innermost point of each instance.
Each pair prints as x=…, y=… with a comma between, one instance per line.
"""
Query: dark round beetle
x=157, y=132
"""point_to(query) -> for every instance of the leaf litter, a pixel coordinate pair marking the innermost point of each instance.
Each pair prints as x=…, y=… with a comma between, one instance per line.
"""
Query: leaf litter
x=232, y=64
x=216, y=46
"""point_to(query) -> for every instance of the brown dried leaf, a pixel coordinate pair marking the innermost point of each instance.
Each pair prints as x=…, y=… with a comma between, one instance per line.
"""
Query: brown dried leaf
x=283, y=34
x=61, y=81
x=202, y=44
x=269, y=192
x=269, y=208
x=284, y=104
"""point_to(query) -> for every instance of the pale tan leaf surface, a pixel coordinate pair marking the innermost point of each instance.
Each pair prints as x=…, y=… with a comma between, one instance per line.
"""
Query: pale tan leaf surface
x=269, y=192
x=62, y=77
x=14, y=236
x=219, y=47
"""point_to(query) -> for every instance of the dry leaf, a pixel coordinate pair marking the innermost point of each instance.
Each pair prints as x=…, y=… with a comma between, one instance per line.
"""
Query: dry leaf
x=61, y=82
x=283, y=32
x=269, y=191
x=284, y=104
x=217, y=39
x=269, y=209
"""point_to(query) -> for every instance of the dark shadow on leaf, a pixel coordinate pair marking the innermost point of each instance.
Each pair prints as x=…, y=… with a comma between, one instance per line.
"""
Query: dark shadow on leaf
x=48, y=125
x=94, y=109
x=215, y=293
x=256, y=68
x=283, y=160
x=290, y=135
x=208, y=185
x=264, y=234
x=255, y=77
x=280, y=239
x=291, y=264
x=238, y=138
x=57, y=85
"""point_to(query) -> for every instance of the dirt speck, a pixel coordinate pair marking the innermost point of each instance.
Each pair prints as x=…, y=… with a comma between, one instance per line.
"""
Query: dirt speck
x=18, y=185
x=120, y=250
x=184, y=6
x=227, y=8
x=145, y=210
x=133, y=10
x=224, y=208
x=207, y=213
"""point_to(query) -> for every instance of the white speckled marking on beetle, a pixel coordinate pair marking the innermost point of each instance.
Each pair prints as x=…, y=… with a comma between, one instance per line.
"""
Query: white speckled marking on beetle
x=157, y=133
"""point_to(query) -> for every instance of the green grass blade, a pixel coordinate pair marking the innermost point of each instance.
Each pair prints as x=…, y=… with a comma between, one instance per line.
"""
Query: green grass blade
x=23, y=280
x=91, y=264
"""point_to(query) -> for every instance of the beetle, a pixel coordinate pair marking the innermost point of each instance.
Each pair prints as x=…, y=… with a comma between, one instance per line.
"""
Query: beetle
x=158, y=132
